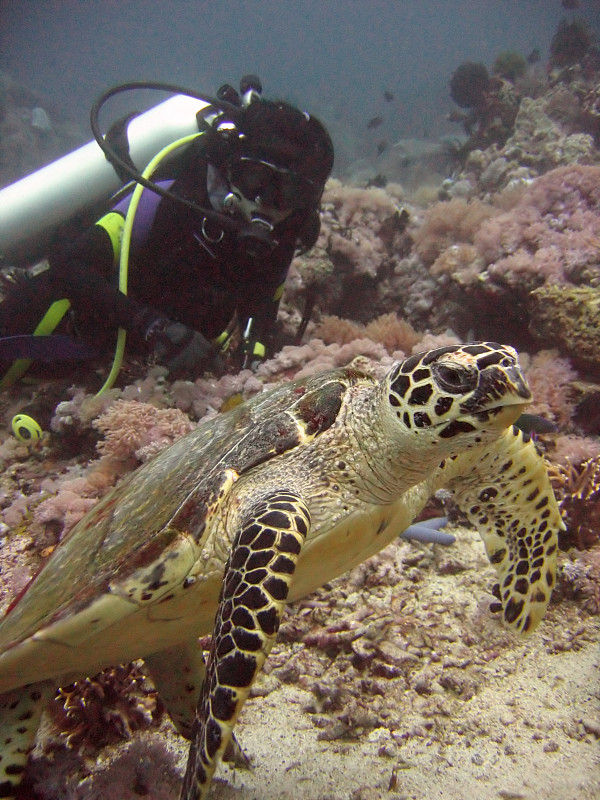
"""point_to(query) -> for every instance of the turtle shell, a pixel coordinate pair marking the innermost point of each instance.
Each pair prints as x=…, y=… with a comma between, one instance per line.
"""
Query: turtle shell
x=143, y=542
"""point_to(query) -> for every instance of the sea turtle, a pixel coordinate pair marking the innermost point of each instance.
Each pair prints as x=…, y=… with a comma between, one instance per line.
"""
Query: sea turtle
x=261, y=505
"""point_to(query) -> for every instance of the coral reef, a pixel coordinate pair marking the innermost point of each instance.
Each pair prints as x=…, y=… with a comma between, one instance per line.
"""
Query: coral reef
x=362, y=266
x=362, y=236
x=555, y=125
x=569, y=318
x=448, y=224
x=492, y=102
x=492, y=255
x=550, y=234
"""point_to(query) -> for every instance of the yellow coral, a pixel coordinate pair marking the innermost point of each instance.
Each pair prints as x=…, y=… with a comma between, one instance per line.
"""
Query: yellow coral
x=388, y=329
x=336, y=329
x=393, y=333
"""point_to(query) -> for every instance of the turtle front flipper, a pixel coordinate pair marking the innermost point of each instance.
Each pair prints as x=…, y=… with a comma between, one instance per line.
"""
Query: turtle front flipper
x=506, y=493
x=20, y=713
x=256, y=583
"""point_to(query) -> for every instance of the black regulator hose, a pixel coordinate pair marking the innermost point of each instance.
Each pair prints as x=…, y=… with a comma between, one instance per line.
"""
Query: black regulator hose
x=121, y=165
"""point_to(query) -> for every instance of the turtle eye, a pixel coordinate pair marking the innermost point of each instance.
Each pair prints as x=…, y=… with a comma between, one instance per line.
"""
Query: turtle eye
x=455, y=379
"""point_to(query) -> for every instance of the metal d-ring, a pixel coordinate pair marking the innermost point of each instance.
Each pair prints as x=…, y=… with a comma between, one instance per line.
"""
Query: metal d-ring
x=212, y=239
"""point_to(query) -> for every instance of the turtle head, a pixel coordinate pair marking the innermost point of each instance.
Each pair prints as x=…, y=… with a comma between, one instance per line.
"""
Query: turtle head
x=460, y=394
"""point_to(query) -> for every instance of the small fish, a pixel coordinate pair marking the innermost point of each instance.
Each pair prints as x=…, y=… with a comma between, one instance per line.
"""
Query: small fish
x=570, y=5
x=381, y=147
x=535, y=56
x=388, y=96
x=379, y=181
x=374, y=123
x=231, y=402
x=534, y=423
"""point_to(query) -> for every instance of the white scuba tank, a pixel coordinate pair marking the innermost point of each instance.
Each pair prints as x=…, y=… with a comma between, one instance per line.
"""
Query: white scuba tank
x=33, y=206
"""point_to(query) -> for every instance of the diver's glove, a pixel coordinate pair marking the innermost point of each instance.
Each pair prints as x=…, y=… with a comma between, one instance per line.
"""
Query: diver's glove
x=181, y=349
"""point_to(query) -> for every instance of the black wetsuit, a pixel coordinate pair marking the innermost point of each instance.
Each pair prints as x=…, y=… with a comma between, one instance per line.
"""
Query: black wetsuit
x=175, y=272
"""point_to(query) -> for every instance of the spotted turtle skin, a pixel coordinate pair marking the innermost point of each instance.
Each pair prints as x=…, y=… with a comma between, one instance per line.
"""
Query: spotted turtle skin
x=260, y=506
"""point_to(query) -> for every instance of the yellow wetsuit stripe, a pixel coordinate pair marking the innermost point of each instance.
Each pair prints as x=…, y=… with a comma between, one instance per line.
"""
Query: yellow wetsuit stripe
x=113, y=223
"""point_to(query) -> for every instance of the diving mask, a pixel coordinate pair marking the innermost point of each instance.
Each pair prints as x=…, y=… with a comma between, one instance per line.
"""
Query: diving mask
x=271, y=186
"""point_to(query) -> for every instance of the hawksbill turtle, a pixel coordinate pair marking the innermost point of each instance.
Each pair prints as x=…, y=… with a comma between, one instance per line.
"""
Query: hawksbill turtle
x=260, y=506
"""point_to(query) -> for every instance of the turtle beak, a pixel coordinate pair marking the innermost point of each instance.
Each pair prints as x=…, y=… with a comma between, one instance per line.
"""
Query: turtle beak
x=517, y=381
x=504, y=385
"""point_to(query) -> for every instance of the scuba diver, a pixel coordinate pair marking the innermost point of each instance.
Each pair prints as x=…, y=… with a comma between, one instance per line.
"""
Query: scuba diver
x=204, y=278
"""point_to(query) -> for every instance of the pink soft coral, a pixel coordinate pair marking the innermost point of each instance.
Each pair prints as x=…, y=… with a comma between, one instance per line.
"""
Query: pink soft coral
x=550, y=378
x=354, y=226
x=136, y=431
x=552, y=233
x=449, y=223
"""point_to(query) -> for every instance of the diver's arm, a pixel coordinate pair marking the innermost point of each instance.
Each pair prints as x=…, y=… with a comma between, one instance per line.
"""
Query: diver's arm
x=259, y=301
x=85, y=273
x=257, y=313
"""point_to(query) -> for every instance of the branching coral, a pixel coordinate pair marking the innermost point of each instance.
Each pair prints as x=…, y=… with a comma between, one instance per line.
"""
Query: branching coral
x=577, y=488
x=111, y=706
